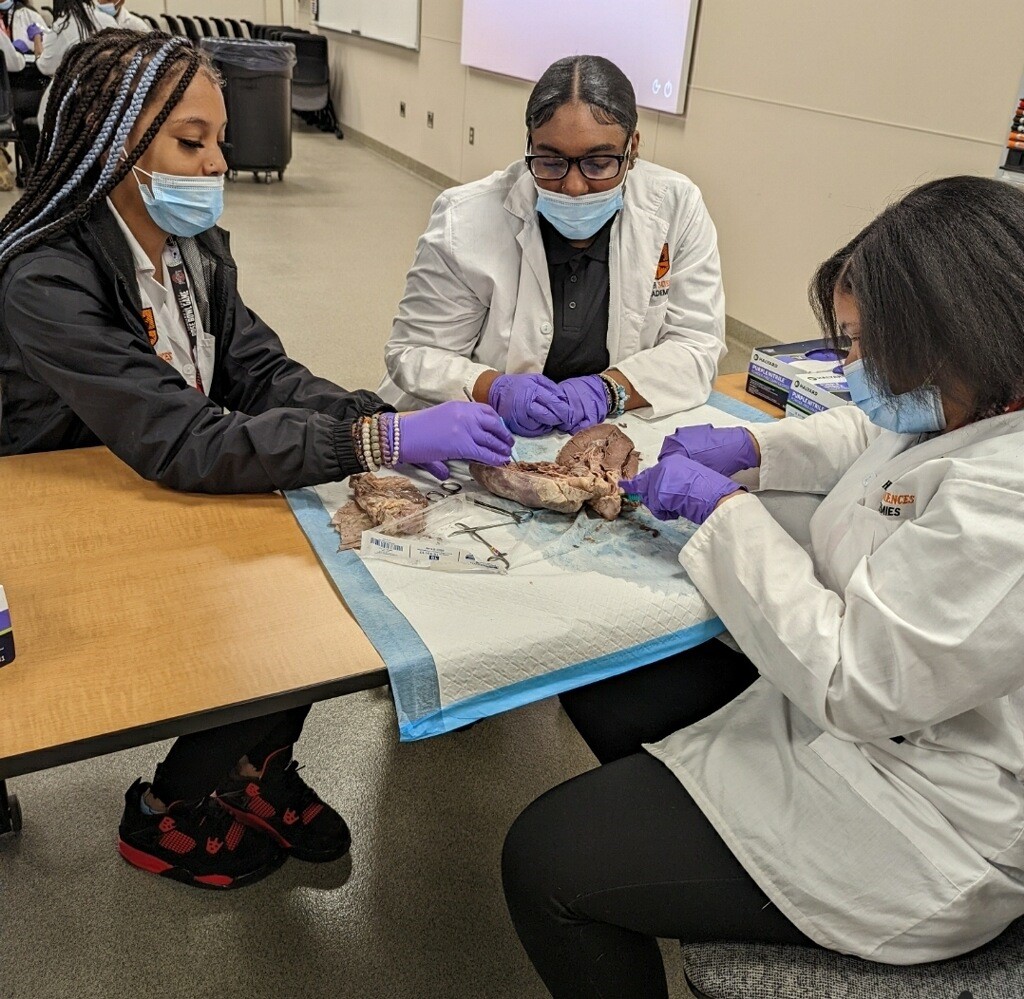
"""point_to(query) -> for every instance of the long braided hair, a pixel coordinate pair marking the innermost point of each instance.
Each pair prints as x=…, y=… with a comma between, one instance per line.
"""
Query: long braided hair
x=98, y=94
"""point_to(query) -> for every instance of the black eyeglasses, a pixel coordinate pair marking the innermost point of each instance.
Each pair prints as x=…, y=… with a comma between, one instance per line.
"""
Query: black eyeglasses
x=602, y=166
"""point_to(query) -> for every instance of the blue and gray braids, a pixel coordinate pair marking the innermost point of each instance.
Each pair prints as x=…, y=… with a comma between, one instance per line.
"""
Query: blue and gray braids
x=98, y=95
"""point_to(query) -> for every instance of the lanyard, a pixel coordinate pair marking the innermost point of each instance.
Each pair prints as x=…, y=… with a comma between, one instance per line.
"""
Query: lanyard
x=183, y=299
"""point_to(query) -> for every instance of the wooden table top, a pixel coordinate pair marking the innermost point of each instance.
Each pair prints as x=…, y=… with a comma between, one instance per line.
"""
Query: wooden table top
x=139, y=612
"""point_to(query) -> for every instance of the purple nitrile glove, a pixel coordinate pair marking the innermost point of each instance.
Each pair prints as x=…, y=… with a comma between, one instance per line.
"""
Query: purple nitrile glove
x=22, y=46
x=34, y=31
x=584, y=402
x=527, y=403
x=725, y=449
x=467, y=430
x=678, y=486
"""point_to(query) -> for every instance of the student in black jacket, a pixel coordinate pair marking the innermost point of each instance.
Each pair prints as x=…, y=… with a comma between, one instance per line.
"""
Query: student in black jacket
x=122, y=325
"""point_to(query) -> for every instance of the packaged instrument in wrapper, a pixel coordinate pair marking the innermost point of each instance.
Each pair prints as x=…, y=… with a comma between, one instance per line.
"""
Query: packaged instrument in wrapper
x=457, y=534
x=6, y=631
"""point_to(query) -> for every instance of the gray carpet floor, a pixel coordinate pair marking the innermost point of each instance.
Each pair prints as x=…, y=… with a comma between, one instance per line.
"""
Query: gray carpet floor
x=417, y=910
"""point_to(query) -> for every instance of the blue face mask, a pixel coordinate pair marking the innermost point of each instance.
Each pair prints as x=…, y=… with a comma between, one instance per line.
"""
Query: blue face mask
x=582, y=217
x=918, y=412
x=108, y=8
x=6, y=5
x=182, y=206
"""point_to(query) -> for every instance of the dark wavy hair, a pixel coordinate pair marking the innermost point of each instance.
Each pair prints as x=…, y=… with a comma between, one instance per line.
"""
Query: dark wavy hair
x=591, y=80
x=81, y=11
x=938, y=279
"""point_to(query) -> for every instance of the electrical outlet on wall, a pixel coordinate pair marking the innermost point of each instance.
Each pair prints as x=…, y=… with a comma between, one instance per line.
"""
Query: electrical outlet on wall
x=472, y=135
x=401, y=109
x=430, y=119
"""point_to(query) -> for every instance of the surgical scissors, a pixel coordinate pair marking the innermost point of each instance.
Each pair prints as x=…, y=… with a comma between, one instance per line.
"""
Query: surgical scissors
x=485, y=527
x=496, y=555
x=443, y=490
x=519, y=516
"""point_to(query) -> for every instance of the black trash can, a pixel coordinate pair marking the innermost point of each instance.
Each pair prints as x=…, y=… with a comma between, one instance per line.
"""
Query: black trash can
x=258, y=94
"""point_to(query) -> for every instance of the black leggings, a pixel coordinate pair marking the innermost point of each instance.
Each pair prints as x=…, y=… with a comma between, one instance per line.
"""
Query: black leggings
x=599, y=867
x=197, y=764
x=27, y=89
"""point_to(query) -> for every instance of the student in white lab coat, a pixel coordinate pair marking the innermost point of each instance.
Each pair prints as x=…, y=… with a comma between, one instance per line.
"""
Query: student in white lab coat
x=21, y=31
x=73, y=22
x=852, y=780
x=576, y=284
x=124, y=17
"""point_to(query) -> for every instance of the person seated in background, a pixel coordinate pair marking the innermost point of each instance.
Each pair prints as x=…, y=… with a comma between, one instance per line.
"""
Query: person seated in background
x=851, y=779
x=576, y=284
x=122, y=325
x=124, y=17
x=73, y=22
x=21, y=36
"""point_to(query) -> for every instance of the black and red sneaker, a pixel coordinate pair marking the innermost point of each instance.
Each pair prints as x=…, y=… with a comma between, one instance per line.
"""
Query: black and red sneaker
x=195, y=842
x=283, y=805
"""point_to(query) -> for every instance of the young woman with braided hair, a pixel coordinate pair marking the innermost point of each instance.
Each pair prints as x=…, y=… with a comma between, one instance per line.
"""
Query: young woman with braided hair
x=122, y=325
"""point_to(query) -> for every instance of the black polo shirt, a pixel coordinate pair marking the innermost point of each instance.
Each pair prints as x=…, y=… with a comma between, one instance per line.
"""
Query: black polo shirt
x=579, y=291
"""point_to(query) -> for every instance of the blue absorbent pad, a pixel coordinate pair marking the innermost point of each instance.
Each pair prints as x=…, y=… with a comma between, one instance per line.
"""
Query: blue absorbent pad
x=595, y=599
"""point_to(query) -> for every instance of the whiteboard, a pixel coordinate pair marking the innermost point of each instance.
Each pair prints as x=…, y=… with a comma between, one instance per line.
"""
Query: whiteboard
x=394, y=21
x=651, y=41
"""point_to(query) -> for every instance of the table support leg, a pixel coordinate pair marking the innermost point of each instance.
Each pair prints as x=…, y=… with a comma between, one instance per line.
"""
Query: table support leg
x=10, y=811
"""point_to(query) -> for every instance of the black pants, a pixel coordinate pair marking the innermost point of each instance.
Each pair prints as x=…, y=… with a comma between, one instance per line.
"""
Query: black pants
x=27, y=88
x=198, y=763
x=600, y=866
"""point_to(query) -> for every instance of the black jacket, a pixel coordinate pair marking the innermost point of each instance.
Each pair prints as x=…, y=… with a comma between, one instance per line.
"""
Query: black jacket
x=76, y=369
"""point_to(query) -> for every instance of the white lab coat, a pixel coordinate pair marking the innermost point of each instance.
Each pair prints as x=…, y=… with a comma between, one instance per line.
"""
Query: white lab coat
x=904, y=620
x=64, y=34
x=13, y=59
x=131, y=22
x=478, y=295
x=23, y=18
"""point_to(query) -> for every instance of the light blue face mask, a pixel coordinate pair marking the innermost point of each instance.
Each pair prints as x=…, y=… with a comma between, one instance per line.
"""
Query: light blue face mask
x=182, y=206
x=582, y=217
x=108, y=8
x=918, y=412
x=6, y=5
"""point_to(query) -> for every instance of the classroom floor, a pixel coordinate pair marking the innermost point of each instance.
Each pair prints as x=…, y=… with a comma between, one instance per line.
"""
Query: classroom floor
x=418, y=910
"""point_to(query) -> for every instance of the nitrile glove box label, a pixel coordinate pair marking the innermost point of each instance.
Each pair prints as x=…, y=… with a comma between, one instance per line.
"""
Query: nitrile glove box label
x=6, y=632
x=816, y=393
x=774, y=368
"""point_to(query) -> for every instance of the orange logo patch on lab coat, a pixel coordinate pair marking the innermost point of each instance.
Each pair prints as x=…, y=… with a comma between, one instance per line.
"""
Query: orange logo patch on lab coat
x=663, y=264
x=149, y=321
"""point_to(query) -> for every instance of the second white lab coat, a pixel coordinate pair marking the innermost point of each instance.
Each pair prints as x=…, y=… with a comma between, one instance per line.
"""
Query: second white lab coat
x=478, y=296
x=22, y=20
x=62, y=36
x=131, y=22
x=902, y=623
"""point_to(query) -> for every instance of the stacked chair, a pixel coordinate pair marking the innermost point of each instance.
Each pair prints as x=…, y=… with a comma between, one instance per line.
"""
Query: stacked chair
x=311, y=82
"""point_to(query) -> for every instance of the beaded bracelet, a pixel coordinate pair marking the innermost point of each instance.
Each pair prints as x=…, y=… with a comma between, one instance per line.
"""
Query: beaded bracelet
x=619, y=397
x=384, y=438
x=397, y=442
x=365, y=433
x=357, y=442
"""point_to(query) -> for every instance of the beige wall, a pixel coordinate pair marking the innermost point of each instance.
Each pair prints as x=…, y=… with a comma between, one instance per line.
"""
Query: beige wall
x=804, y=119
x=260, y=11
